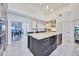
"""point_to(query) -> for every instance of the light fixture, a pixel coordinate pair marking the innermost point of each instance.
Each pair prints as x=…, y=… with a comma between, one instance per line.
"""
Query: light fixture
x=47, y=7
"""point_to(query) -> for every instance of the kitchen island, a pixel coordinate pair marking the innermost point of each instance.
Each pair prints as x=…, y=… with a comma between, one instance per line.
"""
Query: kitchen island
x=42, y=44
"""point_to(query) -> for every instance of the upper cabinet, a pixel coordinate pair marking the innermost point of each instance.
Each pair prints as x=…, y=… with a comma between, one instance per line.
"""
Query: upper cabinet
x=38, y=25
x=53, y=23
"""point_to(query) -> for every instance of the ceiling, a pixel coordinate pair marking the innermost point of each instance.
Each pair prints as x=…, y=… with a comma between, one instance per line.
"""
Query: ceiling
x=38, y=10
x=53, y=6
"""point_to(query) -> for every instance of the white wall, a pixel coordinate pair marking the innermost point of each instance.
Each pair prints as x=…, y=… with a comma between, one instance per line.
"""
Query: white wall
x=76, y=22
x=54, y=15
x=65, y=26
x=68, y=31
x=75, y=11
x=24, y=36
x=75, y=15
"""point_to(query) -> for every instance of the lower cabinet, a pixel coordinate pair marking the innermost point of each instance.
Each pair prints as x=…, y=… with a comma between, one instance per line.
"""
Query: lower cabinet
x=43, y=47
x=0, y=43
x=59, y=39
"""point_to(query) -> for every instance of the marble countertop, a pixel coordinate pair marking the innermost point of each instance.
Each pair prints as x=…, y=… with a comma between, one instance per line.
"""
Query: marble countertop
x=40, y=36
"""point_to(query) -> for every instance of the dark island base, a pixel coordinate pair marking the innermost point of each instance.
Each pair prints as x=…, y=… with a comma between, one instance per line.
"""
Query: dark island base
x=77, y=41
x=43, y=47
x=39, y=54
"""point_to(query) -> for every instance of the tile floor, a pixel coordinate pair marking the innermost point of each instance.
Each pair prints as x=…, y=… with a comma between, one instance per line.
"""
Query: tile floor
x=65, y=49
x=17, y=49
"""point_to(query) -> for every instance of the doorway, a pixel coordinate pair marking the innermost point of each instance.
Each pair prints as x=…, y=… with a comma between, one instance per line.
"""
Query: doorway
x=16, y=31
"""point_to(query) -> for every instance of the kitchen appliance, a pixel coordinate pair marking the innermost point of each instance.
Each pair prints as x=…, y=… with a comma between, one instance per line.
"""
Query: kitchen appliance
x=76, y=34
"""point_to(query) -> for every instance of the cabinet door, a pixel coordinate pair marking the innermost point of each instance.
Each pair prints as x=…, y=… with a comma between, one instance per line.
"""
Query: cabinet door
x=35, y=47
x=44, y=42
x=52, y=40
x=59, y=39
x=30, y=42
x=0, y=43
x=44, y=46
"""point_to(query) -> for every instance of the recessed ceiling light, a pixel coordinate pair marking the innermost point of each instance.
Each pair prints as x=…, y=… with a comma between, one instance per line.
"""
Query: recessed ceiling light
x=47, y=7
x=51, y=10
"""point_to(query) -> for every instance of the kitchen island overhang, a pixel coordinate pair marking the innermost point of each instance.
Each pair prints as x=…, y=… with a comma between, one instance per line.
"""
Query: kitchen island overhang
x=42, y=44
